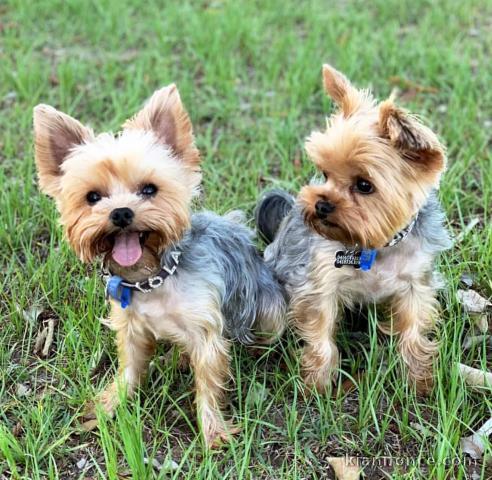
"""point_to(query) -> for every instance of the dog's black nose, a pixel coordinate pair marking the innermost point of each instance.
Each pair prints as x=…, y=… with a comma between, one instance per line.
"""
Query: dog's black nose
x=323, y=208
x=121, y=217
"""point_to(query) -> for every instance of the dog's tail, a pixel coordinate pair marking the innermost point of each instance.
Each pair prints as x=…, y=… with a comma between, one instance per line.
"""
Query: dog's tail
x=271, y=209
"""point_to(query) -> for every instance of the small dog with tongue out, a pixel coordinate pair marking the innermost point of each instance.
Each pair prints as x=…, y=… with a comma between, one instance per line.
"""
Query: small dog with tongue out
x=196, y=280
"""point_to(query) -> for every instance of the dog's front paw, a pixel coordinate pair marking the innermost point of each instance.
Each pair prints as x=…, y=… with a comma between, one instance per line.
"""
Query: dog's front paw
x=109, y=399
x=419, y=355
x=321, y=381
x=320, y=371
x=423, y=382
x=218, y=432
x=88, y=419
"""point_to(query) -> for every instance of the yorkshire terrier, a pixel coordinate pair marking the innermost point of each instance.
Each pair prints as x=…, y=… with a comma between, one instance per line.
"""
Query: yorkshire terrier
x=367, y=231
x=195, y=280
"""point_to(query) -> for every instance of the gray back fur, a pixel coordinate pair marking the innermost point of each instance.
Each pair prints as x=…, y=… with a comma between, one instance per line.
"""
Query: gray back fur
x=221, y=251
x=430, y=227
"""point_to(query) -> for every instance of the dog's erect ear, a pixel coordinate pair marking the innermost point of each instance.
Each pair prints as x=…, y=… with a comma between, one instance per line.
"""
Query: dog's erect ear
x=165, y=116
x=406, y=133
x=55, y=134
x=343, y=93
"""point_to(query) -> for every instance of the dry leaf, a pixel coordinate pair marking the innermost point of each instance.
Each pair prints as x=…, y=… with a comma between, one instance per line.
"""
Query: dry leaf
x=472, y=301
x=475, y=340
x=467, y=280
x=22, y=390
x=345, y=468
x=17, y=429
x=474, y=445
x=125, y=474
x=82, y=463
x=258, y=393
x=169, y=464
x=481, y=322
x=54, y=80
x=32, y=314
x=474, y=377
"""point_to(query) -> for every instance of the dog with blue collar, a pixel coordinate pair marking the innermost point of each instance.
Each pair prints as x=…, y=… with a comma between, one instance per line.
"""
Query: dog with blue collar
x=195, y=280
x=367, y=230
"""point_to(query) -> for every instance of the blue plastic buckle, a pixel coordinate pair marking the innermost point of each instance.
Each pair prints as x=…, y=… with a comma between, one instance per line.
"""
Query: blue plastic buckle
x=119, y=292
x=367, y=258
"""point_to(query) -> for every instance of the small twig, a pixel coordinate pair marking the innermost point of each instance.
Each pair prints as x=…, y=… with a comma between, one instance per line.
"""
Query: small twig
x=40, y=340
x=49, y=337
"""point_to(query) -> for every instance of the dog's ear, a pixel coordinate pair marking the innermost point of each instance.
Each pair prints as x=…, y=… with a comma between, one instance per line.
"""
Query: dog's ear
x=55, y=135
x=343, y=93
x=165, y=116
x=415, y=141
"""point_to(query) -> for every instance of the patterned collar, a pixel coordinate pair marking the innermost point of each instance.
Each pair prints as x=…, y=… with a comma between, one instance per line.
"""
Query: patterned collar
x=121, y=290
x=364, y=258
x=402, y=234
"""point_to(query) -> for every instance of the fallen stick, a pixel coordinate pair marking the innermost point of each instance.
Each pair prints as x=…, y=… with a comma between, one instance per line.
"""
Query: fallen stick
x=49, y=337
x=40, y=339
x=474, y=377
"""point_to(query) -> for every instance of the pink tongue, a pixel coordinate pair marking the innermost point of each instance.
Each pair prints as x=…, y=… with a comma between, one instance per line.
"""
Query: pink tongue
x=127, y=250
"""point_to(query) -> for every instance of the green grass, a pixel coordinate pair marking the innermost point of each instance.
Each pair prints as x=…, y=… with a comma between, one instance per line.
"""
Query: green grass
x=249, y=74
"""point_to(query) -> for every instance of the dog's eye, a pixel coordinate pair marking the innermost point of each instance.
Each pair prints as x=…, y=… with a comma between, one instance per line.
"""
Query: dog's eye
x=363, y=186
x=325, y=175
x=93, y=197
x=148, y=190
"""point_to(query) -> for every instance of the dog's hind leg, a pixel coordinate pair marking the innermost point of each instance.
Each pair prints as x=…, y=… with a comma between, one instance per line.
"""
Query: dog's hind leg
x=271, y=314
x=209, y=356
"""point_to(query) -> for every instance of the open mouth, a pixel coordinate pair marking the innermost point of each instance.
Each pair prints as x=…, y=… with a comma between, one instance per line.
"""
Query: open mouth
x=127, y=247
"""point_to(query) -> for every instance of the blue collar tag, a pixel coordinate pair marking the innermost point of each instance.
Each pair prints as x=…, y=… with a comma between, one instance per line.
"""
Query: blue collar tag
x=367, y=258
x=363, y=259
x=119, y=292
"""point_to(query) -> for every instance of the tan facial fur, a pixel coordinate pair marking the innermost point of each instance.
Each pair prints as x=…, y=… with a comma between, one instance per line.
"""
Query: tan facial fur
x=377, y=142
x=156, y=146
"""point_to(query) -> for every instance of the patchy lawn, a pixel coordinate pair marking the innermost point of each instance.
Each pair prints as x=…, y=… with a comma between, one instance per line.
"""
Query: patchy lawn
x=249, y=74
